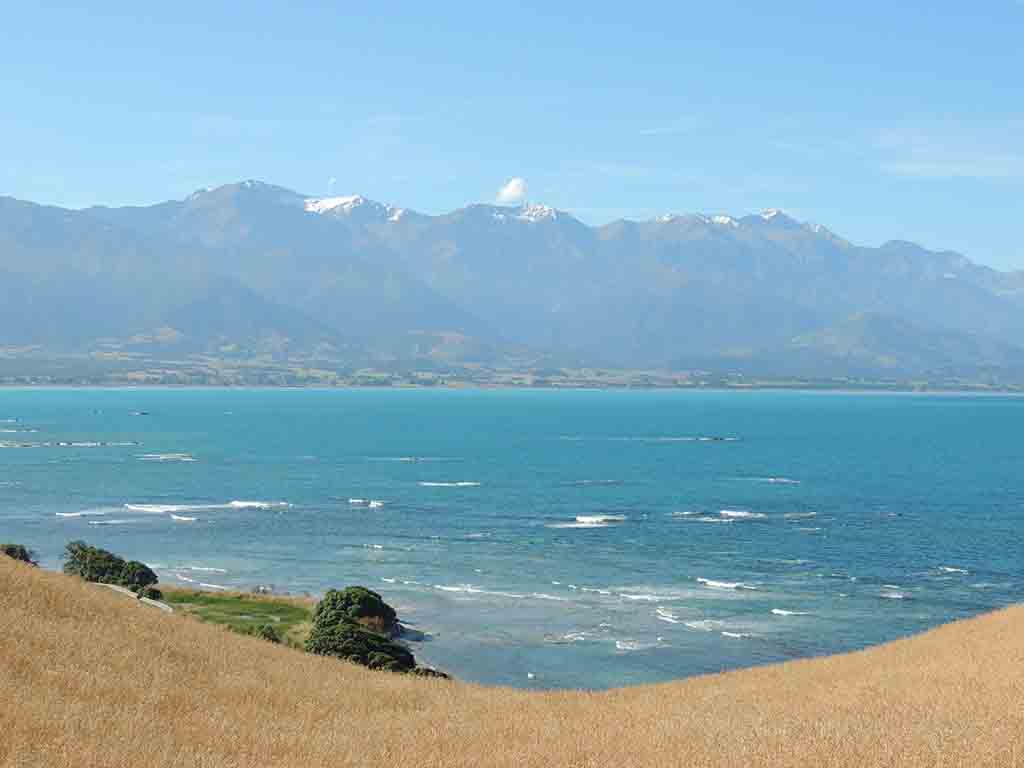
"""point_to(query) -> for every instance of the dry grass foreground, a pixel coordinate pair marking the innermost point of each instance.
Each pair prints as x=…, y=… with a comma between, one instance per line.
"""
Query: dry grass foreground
x=89, y=678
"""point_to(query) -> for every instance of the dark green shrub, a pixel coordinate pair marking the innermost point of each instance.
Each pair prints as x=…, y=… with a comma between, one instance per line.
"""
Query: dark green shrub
x=150, y=593
x=136, y=575
x=19, y=552
x=267, y=632
x=429, y=672
x=356, y=604
x=352, y=642
x=103, y=567
x=92, y=563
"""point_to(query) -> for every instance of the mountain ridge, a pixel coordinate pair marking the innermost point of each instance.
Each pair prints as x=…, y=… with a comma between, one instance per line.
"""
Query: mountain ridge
x=368, y=281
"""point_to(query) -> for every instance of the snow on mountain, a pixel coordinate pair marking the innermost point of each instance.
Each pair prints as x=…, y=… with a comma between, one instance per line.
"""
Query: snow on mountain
x=347, y=205
x=724, y=221
x=530, y=212
x=536, y=212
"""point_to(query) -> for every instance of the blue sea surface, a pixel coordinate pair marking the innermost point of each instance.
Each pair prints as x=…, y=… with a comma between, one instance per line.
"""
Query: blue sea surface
x=548, y=539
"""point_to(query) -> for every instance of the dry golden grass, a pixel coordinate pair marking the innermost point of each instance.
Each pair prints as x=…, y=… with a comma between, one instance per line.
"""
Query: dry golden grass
x=89, y=678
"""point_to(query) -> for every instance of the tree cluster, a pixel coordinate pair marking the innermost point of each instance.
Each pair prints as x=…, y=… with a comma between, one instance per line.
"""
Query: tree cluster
x=103, y=567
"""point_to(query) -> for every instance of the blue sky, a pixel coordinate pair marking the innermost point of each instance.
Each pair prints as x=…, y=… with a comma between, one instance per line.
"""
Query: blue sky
x=879, y=120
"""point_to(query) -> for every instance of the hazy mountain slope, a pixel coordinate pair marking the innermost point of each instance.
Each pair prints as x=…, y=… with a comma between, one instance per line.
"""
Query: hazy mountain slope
x=251, y=266
x=71, y=280
x=264, y=236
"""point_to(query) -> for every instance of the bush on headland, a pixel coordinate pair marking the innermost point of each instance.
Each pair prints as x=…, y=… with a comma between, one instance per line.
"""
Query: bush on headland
x=356, y=624
x=103, y=567
x=149, y=593
x=359, y=605
x=19, y=552
x=352, y=642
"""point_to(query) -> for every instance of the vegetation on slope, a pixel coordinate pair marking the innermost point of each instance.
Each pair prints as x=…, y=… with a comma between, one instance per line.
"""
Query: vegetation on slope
x=247, y=614
x=89, y=679
x=103, y=567
x=18, y=552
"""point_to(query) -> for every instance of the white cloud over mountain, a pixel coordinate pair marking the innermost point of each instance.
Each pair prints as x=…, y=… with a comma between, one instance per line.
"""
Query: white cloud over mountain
x=513, y=191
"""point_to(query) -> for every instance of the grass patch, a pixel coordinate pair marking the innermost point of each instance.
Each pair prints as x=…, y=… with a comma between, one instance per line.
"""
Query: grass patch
x=290, y=617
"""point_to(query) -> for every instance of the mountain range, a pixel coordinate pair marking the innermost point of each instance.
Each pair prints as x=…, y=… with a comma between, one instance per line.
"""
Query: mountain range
x=255, y=270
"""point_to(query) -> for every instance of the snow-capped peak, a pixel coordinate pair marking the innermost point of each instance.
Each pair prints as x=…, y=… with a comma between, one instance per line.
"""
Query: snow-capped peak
x=536, y=212
x=668, y=218
x=724, y=221
x=324, y=204
x=771, y=213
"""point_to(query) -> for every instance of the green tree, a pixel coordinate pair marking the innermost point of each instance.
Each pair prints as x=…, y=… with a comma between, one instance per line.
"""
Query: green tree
x=359, y=605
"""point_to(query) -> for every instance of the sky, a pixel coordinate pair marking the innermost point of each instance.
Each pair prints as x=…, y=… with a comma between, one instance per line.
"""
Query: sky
x=879, y=120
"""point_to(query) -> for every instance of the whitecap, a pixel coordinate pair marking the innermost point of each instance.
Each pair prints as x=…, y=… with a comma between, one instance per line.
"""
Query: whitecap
x=595, y=590
x=577, y=525
x=952, y=569
x=703, y=625
x=545, y=596
x=688, y=513
x=182, y=457
x=779, y=480
x=183, y=518
x=110, y=522
x=598, y=519
x=389, y=581
x=642, y=597
x=667, y=616
x=724, y=584
x=799, y=515
x=205, y=569
x=893, y=595
x=455, y=484
x=736, y=635
x=469, y=589
x=258, y=504
x=83, y=513
x=160, y=509
x=634, y=645
x=784, y=612
x=740, y=514
x=375, y=504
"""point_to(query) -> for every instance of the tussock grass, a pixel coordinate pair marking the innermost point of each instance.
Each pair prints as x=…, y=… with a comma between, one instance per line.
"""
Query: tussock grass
x=91, y=679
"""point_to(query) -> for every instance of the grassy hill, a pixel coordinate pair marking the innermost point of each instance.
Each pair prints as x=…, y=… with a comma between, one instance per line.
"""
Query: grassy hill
x=92, y=678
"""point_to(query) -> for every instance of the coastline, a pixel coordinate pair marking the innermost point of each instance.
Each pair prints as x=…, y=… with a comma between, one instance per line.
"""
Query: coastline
x=950, y=696
x=1016, y=391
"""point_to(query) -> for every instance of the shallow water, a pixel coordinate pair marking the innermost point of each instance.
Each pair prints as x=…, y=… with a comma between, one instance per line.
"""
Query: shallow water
x=539, y=539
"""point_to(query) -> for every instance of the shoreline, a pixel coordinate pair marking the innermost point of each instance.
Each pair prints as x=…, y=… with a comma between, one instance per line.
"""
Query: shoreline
x=953, y=695
x=930, y=390
x=309, y=602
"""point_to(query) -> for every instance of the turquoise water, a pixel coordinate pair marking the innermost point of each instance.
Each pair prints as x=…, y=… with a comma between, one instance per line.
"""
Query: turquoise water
x=548, y=539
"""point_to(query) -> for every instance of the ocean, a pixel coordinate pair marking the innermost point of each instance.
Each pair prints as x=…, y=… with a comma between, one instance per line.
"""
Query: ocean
x=548, y=539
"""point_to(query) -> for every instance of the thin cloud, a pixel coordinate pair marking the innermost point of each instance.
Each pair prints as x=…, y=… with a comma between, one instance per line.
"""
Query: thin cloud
x=513, y=191
x=962, y=151
x=671, y=127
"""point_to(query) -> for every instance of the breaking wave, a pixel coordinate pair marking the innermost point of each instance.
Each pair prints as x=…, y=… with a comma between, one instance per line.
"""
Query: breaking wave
x=740, y=514
x=713, y=584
